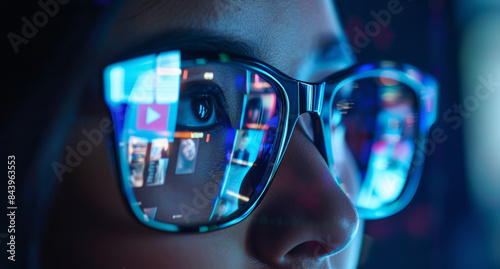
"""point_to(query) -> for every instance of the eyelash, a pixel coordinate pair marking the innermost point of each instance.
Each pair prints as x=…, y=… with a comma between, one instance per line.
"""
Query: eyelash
x=201, y=98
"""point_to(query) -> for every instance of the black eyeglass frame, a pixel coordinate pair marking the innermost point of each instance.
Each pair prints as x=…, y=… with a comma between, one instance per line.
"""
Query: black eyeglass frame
x=299, y=97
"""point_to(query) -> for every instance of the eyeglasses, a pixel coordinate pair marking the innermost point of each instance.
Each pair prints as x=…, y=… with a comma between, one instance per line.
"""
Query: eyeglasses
x=199, y=137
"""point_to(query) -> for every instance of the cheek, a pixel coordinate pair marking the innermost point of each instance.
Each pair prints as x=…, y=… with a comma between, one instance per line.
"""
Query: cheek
x=90, y=226
x=91, y=190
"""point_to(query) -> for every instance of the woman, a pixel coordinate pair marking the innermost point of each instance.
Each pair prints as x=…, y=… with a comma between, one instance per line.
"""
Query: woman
x=304, y=219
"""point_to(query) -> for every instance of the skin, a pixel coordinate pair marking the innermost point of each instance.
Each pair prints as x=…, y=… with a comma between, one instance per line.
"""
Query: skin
x=90, y=225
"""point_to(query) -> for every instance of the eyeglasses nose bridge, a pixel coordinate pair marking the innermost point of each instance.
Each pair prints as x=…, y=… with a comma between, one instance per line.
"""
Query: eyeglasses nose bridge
x=311, y=97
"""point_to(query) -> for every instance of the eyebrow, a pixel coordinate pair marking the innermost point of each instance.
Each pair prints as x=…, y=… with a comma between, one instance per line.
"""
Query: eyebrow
x=194, y=41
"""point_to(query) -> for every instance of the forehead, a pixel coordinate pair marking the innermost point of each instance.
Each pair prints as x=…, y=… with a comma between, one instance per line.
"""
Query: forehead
x=291, y=35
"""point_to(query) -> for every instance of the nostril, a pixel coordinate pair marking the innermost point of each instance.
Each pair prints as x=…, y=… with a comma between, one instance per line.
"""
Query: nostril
x=311, y=249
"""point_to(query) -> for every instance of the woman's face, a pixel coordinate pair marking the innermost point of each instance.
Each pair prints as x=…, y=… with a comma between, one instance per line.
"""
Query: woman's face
x=188, y=149
x=91, y=226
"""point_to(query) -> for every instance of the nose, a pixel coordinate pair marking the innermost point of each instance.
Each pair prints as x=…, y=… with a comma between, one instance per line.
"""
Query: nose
x=305, y=215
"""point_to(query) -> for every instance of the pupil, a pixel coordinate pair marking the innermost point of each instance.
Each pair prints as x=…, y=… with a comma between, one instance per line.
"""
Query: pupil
x=202, y=107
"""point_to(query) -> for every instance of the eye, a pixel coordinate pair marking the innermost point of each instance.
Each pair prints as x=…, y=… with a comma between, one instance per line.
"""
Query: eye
x=201, y=106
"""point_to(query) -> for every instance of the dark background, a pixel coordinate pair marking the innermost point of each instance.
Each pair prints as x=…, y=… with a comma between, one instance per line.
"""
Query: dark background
x=440, y=228
x=437, y=230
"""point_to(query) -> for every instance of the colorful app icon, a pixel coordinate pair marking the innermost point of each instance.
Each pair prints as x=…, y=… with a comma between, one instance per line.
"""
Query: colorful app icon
x=152, y=117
